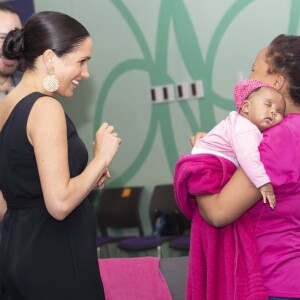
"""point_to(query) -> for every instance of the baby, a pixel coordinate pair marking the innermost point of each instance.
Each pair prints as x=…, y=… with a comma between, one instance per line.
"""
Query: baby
x=259, y=107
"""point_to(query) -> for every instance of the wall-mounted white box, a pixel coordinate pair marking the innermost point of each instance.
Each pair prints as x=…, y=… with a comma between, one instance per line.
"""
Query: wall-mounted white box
x=160, y=94
x=155, y=94
x=183, y=91
x=197, y=90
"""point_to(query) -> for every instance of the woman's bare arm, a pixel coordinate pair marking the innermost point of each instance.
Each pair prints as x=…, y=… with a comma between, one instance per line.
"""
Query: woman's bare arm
x=3, y=206
x=237, y=196
x=47, y=132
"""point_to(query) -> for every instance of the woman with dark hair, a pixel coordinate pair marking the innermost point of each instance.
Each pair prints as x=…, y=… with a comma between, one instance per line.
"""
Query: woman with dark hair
x=276, y=232
x=48, y=241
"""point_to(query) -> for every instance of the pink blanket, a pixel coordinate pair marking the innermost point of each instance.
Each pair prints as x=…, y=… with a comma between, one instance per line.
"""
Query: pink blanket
x=133, y=279
x=223, y=262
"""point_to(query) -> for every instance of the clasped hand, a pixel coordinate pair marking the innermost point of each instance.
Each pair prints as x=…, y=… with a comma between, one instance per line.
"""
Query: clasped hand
x=105, y=147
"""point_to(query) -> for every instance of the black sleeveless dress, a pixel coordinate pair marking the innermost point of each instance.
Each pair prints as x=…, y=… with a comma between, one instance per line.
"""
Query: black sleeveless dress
x=42, y=258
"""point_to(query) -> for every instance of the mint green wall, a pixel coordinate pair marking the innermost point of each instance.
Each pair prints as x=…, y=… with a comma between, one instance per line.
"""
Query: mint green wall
x=139, y=44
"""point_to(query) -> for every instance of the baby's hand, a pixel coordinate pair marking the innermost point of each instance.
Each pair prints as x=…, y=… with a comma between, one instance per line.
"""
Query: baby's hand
x=268, y=194
x=198, y=136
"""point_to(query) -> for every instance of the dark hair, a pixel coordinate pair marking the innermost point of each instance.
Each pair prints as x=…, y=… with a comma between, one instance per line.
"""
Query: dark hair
x=4, y=7
x=44, y=30
x=283, y=57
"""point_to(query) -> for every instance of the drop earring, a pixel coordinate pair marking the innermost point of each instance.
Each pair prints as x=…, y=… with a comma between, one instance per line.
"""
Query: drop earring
x=50, y=82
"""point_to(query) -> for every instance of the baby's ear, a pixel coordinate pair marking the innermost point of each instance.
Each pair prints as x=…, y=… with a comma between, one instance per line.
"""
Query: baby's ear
x=245, y=107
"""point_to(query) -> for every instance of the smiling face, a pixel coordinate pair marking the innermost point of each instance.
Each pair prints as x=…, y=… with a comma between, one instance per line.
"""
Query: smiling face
x=71, y=68
x=8, y=22
x=264, y=107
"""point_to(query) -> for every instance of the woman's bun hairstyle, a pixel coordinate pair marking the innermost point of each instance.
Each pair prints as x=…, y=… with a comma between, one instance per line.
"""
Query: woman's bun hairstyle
x=13, y=46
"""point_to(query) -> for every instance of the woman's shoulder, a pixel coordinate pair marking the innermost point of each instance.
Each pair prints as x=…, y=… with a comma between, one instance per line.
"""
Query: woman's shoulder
x=45, y=104
x=279, y=151
x=44, y=98
x=287, y=130
x=36, y=100
x=46, y=110
x=292, y=120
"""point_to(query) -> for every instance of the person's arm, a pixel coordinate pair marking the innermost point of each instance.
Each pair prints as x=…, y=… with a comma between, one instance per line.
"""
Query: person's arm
x=237, y=196
x=3, y=206
x=47, y=132
x=245, y=140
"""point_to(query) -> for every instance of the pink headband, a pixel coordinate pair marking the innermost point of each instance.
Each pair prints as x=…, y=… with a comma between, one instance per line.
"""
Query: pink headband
x=244, y=88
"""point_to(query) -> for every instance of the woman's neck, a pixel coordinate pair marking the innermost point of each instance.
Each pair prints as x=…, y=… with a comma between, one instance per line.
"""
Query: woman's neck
x=291, y=107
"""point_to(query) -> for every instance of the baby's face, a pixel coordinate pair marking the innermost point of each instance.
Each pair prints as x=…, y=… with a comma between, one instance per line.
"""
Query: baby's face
x=266, y=108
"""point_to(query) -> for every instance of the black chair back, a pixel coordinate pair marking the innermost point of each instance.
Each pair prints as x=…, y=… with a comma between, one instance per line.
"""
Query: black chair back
x=163, y=205
x=119, y=208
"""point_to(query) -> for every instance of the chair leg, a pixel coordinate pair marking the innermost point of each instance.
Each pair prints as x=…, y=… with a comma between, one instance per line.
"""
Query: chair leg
x=100, y=251
x=119, y=254
x=159, y=251
x=107, y=250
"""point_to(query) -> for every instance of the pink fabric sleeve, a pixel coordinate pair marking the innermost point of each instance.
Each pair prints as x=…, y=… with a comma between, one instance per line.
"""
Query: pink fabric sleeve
x=245, y=144
x=280, y=154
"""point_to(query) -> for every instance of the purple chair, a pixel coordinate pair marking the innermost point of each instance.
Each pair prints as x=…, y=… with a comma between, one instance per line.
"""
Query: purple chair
x=166, y=221
x=181, y=243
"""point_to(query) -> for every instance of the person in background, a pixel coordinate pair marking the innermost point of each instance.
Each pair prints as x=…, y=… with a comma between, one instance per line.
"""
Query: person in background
x=48, y=248
x=277, y=232
x=9, y=75
x=259, y=107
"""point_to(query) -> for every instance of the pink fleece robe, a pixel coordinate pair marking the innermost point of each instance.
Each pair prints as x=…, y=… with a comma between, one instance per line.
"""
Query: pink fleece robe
x=223, y=262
